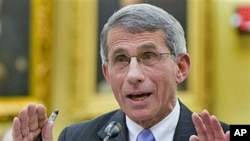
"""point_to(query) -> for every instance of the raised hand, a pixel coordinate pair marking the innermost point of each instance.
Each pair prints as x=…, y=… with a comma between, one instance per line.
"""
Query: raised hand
x=208, y=128
x=30, y=122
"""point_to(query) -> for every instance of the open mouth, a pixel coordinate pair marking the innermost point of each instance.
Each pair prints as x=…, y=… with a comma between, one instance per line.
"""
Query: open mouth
x=139, y=97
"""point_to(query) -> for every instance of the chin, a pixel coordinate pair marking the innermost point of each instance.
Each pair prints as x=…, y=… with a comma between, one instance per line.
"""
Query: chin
x=140, y=116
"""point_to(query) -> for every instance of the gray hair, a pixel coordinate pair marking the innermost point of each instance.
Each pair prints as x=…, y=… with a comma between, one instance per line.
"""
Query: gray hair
x=138, y=18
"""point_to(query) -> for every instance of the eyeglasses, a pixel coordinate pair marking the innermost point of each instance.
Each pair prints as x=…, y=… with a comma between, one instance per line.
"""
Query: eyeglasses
x=146, y=58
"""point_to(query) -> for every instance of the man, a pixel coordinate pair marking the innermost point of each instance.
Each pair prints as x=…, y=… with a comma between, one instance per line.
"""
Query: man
x=144, y=58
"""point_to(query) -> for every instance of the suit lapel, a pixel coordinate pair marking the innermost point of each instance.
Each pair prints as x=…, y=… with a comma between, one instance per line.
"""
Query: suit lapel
x=119, y=116
x=185, y=127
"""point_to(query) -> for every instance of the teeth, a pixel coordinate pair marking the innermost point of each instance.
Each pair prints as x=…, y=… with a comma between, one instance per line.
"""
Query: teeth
x=139, y=97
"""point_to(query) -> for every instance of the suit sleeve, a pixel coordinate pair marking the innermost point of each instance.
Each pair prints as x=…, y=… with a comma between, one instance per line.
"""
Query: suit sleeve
x=62, y=135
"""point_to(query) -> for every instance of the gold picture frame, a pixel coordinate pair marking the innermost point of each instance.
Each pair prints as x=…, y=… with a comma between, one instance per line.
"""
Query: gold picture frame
x=40, y=60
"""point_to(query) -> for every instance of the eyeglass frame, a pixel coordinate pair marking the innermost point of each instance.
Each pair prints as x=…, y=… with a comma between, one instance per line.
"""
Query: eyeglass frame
x=140, y=58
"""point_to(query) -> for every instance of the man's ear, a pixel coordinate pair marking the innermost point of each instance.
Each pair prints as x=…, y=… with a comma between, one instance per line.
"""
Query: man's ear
x=183, y=64
x=105, y=72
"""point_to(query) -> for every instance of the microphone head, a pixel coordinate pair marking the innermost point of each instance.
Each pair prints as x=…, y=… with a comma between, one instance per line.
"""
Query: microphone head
x=113, y=129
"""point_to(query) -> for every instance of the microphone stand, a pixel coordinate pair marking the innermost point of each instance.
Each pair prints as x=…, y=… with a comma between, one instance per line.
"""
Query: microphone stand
x=106, y=138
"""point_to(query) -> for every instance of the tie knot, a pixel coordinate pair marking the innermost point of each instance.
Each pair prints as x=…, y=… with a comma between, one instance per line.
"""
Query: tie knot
x=145, y=135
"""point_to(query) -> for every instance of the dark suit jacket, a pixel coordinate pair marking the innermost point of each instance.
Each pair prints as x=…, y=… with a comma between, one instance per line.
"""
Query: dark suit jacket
x=93, y=130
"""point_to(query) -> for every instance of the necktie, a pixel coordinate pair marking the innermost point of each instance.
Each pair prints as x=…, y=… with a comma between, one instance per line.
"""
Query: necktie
x=145, y=135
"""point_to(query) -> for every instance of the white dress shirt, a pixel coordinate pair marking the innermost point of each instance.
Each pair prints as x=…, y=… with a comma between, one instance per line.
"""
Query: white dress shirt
x=163, y=131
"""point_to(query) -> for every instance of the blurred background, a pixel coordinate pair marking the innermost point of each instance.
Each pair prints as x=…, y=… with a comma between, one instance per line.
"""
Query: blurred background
x=49, y=54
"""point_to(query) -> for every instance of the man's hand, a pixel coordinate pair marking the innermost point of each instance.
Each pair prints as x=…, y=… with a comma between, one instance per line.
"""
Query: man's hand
x=30, y=122
x=208, y=128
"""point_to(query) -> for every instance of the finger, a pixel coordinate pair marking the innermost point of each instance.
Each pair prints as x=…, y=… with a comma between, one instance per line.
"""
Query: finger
x=206, y=120
x=47, y=131
x=23, y=117
x=194, y=138
x=16, y=130
x=227, y=136
x=217, y=129
x=42, y=116
x=199, y=126
x=33, y=118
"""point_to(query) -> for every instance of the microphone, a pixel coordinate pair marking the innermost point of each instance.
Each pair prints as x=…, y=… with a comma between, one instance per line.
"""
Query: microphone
x=112, y=130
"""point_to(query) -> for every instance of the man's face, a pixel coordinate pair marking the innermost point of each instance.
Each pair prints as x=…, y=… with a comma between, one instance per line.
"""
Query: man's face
x=145, y=93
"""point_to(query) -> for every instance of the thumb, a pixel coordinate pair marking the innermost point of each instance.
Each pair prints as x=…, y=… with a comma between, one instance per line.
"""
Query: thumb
x=47, y=134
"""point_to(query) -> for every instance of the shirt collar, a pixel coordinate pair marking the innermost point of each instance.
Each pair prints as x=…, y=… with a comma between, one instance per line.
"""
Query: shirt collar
x=164, y=130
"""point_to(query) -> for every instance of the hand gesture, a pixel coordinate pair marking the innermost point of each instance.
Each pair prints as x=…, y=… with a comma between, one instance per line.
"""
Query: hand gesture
x=208, y=128
x=30, y=122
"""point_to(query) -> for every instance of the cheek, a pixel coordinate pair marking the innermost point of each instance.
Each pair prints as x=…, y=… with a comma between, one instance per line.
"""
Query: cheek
x=165, y=81
x=116, y=86
x=164, y=76
x=163, y=85
x=116, y=82
x=166, y=88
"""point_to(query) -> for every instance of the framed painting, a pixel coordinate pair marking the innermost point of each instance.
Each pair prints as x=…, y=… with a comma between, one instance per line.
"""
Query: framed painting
x=25, y=53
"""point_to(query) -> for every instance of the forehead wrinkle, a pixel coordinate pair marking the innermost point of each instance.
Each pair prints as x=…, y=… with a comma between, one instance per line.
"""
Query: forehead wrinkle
x=141, y=47
x=136, y=43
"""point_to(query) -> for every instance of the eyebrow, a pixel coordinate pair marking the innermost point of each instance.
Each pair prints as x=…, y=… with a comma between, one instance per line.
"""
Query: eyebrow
x=118, y=51
x=145, y=46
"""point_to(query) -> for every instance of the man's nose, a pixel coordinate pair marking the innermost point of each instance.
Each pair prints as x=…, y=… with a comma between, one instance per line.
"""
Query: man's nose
x=135, y=72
